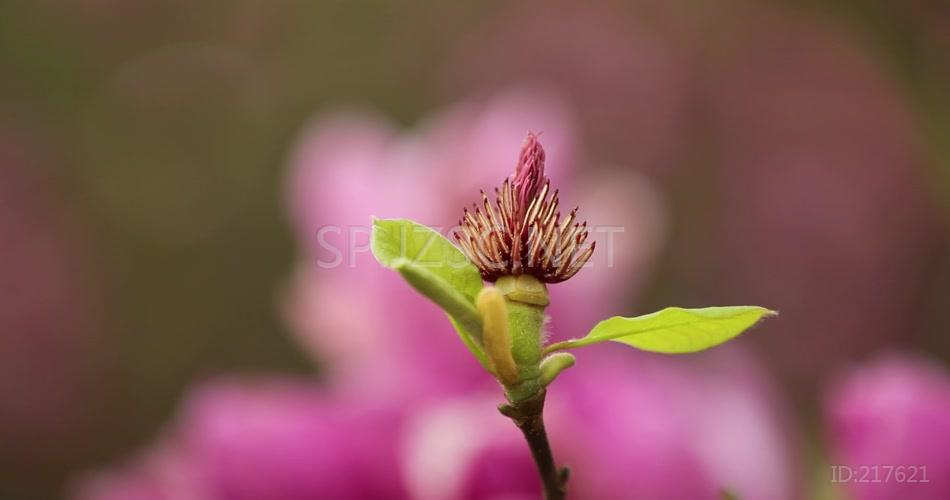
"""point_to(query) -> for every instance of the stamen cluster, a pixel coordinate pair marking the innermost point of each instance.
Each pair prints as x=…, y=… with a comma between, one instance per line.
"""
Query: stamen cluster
x=522, y=232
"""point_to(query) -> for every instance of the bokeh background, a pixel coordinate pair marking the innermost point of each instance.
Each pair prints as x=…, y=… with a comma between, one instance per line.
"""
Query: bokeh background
x=164, y=167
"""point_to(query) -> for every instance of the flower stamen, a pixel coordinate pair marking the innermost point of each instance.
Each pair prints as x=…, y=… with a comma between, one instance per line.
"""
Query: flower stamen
x=522, y=232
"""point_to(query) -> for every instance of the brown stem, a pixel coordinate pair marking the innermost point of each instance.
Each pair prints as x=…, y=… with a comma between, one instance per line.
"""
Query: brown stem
x=527, y=415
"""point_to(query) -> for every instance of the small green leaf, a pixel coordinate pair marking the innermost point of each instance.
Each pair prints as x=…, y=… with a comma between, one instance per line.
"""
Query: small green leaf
x=673, y=330
x=436, y=269
x=439, y=291
x=553, y=365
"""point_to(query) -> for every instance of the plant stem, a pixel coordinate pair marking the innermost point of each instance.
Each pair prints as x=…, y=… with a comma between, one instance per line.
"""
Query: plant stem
x=528, y=416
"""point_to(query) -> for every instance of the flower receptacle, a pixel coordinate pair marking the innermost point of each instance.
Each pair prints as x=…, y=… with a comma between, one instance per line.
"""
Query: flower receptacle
x=512, y=314
x=524, y=288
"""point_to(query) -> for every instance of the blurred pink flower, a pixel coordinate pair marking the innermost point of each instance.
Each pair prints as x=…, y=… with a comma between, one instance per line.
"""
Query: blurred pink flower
x=894, y=411
x=642, y=428
x=270, y=438
x=349, y=167
x=444, y=458
x=288, y=441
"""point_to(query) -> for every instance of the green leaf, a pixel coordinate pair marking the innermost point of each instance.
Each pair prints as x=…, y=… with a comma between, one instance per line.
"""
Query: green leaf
x=673, y=330
x=436, y=269
x=456, y=305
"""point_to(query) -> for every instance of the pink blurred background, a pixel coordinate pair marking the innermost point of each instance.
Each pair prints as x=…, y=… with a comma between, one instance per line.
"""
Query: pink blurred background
x=166, y=331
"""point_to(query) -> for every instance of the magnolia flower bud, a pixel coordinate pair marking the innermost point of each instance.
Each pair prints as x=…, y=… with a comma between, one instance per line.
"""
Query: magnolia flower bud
x=523, y=233
x=521, y=242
